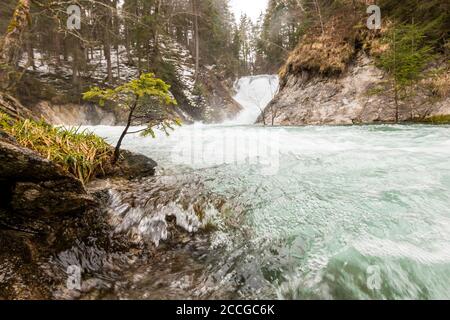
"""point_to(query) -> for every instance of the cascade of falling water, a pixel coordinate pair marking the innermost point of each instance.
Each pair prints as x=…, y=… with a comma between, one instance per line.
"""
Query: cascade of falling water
x=254, y=93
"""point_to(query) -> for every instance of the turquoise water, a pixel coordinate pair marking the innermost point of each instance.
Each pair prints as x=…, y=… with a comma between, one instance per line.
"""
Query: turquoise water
x=359, y=212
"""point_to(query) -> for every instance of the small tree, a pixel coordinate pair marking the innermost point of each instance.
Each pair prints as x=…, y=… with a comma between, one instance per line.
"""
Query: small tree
x=405, y=59
x=148, y=102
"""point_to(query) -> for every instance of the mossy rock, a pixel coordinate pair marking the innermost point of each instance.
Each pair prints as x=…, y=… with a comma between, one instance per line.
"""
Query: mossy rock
x=439, y=119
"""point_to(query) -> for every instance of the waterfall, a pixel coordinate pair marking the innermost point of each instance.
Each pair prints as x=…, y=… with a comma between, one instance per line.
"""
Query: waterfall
x=254, y=93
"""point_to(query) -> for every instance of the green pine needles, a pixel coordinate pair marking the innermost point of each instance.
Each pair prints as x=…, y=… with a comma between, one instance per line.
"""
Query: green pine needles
x=405, y=60
x=148, y=102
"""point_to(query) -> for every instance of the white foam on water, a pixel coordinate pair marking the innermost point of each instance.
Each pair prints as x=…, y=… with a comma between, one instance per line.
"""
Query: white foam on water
x=342, y=198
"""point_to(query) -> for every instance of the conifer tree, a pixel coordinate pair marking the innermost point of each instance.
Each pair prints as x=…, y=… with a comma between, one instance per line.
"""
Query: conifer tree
x=147, y=101
x=405, y=60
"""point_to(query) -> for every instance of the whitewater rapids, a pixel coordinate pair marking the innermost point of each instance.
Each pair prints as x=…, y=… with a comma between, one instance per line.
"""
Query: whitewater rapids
x=360, y=212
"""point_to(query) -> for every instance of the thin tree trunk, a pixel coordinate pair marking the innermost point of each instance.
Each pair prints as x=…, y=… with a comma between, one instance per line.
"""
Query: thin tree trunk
x=155, y=32
x=138, y=45
x=197, y=40
x=65, y=53
x=124, y=133
x=11, y=42
x=76, y=65
x=86, y=55
x=107, y=50
x=118, y=64
x=395, y=79
x=274, y=114
x=149, y=54
x=263, y=115
x=116, y=26
x=30, y=51
x=58, y=49
x=139, y=53
x=396, y=102
x=127, y=45
x=319, y=13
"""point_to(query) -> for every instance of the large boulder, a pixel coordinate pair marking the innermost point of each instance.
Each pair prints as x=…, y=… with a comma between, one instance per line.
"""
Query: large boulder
x=134, y=165
x=32, y=185
x=43, y=211
x=50, y=198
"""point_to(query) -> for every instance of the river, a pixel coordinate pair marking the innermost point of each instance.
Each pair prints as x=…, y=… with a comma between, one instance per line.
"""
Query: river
x=331, y=212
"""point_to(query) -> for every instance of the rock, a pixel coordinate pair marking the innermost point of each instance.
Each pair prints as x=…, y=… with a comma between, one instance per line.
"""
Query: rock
x=78, y=114
x=36, y=186
x=309, y=98
x=50, y=198
x=48, y=221
x=22, y=164
x=219, y=103
x=133, y=165
x=39, y=207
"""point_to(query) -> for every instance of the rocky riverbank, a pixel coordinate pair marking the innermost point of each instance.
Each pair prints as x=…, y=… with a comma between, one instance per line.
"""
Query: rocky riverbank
x=353, y=97
x=44, y=211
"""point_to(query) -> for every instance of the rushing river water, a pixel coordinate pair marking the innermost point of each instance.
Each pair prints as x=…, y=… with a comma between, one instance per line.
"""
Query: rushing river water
x=359, y=212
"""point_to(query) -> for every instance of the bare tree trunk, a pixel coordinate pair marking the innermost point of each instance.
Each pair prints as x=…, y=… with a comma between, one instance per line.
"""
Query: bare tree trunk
x=116, y=24
x=319, y=13
x=107, y=50
x=124, y=133
x=395, y=79
x=155, y=32
x=77, y=64
x=116, y=27
x=11, y=42
x=87, y=57
x=58, y=49
x=149, y=54
x=396, y=102
x=127, y=46
x=30, y=52
x=139, y=54
x=118, y=63
x=65, y=51
x=273, y=114
x=197, y=40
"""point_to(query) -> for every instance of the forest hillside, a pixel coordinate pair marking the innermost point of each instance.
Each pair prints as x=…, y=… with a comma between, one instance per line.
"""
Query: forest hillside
x=194, y=45
x=342, y=72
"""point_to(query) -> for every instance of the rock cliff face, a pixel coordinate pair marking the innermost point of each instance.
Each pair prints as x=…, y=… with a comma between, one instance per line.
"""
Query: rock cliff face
x=216, y=105
x=308, y=98
x=76, y=114
x=219, y=103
